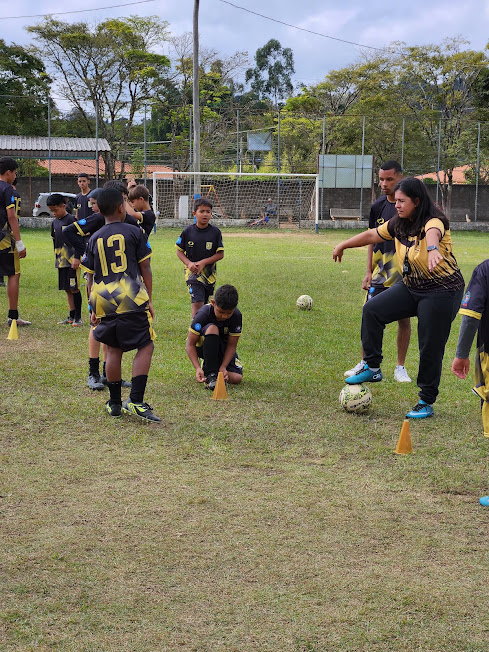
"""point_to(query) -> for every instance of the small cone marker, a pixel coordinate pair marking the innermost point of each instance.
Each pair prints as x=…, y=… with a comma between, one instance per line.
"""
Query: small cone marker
x=12, y=334
x=404, y=444
x=220, y=392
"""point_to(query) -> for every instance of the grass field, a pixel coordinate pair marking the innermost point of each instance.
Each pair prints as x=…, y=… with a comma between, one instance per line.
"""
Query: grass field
x=273, y=521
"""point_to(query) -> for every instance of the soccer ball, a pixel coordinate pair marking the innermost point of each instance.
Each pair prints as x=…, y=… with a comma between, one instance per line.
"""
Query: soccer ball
x=304, y=302
x=355, y=398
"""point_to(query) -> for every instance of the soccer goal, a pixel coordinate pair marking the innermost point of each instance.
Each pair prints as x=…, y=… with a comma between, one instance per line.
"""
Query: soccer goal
x=270, y=197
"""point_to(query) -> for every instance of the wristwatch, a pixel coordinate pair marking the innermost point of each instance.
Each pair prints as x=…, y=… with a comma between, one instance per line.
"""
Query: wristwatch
x=432, y=248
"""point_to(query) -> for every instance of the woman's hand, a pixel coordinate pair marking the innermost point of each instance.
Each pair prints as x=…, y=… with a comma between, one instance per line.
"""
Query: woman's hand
x=338, y=252
x=434, y=257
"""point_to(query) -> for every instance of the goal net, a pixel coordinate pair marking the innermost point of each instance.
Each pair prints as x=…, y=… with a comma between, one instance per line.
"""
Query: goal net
x=244, y=196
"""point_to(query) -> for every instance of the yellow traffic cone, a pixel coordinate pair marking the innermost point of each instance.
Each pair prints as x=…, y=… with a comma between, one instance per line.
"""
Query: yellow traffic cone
x=404, y=444
x=12, y=334
x=220, y=392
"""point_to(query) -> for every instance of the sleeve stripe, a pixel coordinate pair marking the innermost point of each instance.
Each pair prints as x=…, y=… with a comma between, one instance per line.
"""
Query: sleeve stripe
x=470, y=313
x=89, y=271
x=380, y=235
x=219, y=249
x=234, y=334
x=179, y=248
x=78, y=228
x=191, y=330
x=146, y=257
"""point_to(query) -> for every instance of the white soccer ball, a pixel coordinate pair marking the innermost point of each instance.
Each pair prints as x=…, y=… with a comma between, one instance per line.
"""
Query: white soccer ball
x=304, y=302
x=355, y=398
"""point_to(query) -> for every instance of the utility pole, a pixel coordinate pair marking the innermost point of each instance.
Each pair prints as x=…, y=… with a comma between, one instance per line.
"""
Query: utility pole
x=195, y=89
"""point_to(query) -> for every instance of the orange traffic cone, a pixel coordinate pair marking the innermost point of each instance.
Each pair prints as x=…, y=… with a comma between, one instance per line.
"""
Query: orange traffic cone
x=220, y=392
x=12, y=334
x=404, y=444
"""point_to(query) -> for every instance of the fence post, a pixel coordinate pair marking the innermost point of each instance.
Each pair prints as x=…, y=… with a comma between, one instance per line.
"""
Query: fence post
x=49, y=142
x=145, y=144
x=477, y=171
x=361, y=176
x=438, y=161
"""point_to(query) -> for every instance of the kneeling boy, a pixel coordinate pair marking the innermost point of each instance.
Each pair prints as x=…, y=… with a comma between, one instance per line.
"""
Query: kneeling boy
x=117, y=262
x=213, y=335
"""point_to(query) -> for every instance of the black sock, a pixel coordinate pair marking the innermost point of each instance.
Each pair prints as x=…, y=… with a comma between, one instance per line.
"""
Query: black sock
x=93, y=367
x=103, y=370
x=13, y=314
x=72, y=314
x=138, y=388
x=115, y=392
x=211, y=349
x=77, y=298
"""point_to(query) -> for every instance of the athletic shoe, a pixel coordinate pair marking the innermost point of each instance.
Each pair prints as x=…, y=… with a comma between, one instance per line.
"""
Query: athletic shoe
x=77, y=322
x=365, y=375
x=141, y=410
x=420, y=411
x=210, y=382
x=20, y=322
x=95, y=382
x=401, y=375
x=68, y=320
x=114, y=409
x=358, y=367
x=2, y=282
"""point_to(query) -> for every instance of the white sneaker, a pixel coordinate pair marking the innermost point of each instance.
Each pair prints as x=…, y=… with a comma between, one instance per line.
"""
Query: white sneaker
x=355, y=370
x=401, y=375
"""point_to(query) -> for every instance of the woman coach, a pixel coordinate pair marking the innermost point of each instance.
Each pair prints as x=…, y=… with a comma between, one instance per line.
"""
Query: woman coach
x=432, y=289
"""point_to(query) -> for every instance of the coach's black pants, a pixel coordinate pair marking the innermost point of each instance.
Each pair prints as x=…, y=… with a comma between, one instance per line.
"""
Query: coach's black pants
x=435, y=312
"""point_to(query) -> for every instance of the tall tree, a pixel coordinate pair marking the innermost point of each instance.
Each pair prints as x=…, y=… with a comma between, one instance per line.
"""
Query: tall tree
x=108, y=70
x=271, y=76
x=24, y=91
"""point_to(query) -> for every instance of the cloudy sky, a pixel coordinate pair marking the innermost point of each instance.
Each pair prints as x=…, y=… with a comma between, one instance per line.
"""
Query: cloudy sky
x=245, y=25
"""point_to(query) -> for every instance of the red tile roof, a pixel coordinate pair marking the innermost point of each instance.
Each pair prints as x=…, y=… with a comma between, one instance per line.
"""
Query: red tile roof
x=76, y=166
x=458, y=175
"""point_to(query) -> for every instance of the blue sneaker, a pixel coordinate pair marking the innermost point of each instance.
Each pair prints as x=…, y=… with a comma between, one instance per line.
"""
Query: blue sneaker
x=420, y=411
x=364, y=375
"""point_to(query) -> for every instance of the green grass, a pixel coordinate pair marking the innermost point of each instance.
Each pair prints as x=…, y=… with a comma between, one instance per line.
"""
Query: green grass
x=271, y=521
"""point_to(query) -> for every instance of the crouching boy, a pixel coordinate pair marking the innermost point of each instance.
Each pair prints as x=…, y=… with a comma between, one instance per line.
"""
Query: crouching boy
x=117, y=263
x=213, y=336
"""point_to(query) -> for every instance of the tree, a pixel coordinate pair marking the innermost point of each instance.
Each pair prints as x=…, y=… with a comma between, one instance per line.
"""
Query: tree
x=24, y=89
x=110, y=68
x=271, y=77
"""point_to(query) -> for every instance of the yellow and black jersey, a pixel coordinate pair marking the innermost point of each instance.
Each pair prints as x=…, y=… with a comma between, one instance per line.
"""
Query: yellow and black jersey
x=413, y=252
x=228, y=327
x=63, y=253
x=476, y=304
x=198, y=244
x=78, y=234
x=147, y=220
x=113, y=255
x=83, y=206
x=386, y=269
x=9, y=198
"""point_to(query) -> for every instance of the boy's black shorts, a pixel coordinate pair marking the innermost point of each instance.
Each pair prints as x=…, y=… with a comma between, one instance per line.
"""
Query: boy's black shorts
x=9, y=262
x=128, y=331
x=200, y=293
x=68, y=279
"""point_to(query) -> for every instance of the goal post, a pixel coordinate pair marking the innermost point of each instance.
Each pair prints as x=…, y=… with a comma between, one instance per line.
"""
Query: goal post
x=238, y=196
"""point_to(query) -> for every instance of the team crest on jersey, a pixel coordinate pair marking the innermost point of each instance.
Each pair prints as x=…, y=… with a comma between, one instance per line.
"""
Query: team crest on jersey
x=466, y=300
x=208, y=245
x=190, y=243
x=198, y=327
x=226, y=330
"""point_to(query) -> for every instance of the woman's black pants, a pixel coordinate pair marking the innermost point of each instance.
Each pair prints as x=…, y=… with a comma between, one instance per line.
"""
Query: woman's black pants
x=435, y=312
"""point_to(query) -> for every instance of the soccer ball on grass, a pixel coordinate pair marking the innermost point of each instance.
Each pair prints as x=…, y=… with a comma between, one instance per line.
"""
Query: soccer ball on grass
x=304, y=302
x=355, y=398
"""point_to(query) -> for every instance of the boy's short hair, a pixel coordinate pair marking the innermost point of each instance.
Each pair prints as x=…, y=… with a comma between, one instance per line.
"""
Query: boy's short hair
x=139, y=192
x=202, y=201
x=392, y=165
x=226, y=297
x=108, y=200
x=93, y=194
x=84, y=175
x=8, y=164
x=56, y=199
x=116, y=184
